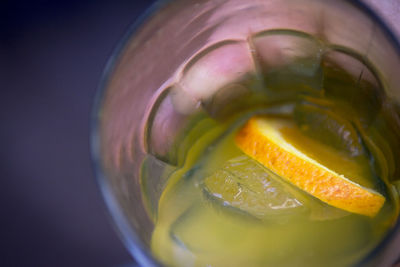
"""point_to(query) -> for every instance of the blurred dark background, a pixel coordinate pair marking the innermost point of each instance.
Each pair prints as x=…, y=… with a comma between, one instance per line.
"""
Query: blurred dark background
x=52, y=54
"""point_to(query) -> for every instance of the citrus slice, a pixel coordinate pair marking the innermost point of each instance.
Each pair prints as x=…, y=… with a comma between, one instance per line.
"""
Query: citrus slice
x=261, y=139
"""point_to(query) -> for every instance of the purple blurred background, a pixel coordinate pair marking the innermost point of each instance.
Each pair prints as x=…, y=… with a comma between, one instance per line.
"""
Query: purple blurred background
x=52, y=54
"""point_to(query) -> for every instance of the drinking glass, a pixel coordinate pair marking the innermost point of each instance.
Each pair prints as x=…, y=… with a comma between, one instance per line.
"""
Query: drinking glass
x=186, y=58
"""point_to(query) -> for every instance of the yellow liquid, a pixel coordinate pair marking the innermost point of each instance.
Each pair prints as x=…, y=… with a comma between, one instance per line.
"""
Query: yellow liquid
x=199, y=226
x=217, y=207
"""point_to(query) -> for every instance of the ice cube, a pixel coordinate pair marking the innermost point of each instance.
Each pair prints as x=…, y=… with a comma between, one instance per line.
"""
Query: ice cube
x=243, y=184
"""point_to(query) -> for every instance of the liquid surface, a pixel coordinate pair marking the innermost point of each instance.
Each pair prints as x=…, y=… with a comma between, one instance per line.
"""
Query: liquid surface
x=230, y=211
x=218, y=207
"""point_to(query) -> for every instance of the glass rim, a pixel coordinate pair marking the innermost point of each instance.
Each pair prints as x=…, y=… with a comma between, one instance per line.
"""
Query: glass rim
x=126, y=234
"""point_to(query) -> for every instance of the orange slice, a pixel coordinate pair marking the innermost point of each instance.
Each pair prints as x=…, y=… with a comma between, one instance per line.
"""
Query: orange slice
x=261, y=139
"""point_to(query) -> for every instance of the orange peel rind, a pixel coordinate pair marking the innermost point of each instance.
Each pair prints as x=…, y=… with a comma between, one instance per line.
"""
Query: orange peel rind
x=260, y=139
